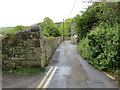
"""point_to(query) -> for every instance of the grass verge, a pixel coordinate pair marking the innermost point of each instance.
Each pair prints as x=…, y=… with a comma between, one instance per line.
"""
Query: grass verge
x=25, y=71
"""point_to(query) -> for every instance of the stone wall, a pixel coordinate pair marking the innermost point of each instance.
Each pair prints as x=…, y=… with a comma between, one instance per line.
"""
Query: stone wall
x=48, y=46
x=27, y=49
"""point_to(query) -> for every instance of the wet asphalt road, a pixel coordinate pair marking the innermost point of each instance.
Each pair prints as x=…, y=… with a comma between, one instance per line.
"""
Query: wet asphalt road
x=72, y=72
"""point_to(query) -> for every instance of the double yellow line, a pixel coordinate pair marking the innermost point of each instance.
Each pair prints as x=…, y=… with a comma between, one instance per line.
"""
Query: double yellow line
x=109, y=75
x=50, y=73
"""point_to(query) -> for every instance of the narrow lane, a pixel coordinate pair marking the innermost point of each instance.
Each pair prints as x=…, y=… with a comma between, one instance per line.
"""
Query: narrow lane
x=75, y=72
x=67, y=69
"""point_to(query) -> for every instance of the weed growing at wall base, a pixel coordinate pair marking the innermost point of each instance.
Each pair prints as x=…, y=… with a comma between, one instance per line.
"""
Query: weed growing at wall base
x=25, y=71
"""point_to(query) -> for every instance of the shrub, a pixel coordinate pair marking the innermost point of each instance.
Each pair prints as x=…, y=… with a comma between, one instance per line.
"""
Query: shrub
x=51, y=31
x=100, y=12
x=100, y=48
x=49, y=28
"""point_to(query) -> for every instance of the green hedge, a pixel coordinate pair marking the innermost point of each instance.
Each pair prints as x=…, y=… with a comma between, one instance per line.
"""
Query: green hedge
x=100, y=48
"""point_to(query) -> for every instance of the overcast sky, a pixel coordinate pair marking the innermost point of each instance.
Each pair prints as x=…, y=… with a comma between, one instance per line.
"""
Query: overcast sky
x=28, y=12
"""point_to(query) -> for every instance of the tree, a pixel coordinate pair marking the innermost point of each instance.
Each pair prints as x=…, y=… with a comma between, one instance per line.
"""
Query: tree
x=67, y=27
x=105, y=13
x=47, y=21
x=51, y=31
x=101, y=45
x=86, y=21
x=49, y=28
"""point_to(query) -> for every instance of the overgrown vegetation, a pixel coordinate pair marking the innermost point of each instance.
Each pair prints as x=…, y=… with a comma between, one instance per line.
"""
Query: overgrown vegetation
x=12, y=30
x=100, y=13
x=67, y=28
x=49, y=28
x=26, y=71
x=98, y=35
x=100, y=48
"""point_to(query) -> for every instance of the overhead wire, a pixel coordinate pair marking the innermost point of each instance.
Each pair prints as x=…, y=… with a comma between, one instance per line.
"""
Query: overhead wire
x=72, y=8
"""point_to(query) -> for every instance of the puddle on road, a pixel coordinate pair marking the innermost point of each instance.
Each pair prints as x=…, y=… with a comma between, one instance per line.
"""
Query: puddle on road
x=64, y=70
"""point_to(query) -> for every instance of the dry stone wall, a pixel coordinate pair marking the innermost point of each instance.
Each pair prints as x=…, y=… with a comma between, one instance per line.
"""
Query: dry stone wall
x=48, y=46
x=27, y=49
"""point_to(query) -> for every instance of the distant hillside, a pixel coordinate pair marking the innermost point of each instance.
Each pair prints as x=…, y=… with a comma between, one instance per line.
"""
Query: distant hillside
x=5, y=28
x=12, y=30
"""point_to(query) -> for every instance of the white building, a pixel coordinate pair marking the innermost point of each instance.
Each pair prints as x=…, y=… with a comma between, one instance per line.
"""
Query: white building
x=73, y=33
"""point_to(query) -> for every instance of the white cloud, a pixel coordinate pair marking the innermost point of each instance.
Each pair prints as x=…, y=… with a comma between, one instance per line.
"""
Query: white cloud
x=28, y=12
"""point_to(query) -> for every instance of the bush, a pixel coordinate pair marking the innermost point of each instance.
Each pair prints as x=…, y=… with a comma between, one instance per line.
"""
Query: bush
x=49, y=28
x=67, y=28
x=51, y=31
x=106, y=13
x=100, y=48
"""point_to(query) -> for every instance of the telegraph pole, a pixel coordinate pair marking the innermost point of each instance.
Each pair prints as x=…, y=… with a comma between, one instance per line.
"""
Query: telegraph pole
x=63, y=29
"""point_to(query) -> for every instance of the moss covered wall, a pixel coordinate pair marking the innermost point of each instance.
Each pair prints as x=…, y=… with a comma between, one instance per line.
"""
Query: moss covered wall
x=27, y=49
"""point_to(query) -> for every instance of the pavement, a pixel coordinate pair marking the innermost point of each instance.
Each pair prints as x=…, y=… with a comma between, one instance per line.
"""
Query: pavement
x=67, y=69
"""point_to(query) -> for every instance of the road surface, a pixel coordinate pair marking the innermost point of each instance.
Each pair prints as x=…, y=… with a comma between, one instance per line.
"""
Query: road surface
x=67, y=69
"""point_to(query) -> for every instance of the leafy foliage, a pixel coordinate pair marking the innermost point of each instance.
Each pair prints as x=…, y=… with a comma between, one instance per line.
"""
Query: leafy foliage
x=51, y=31
x=67, y=28
x=49, y=28
x=108, y=12
x=100, y=48
x=85, y=22
x=13, y=30
x=98, y=34
x=104, y=13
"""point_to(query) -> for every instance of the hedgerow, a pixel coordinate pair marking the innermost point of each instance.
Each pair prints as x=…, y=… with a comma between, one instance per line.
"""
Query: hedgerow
x=99, y=37
x=100, y=48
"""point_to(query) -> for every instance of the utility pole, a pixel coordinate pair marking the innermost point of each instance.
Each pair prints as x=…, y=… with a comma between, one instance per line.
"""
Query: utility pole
x=63, y=29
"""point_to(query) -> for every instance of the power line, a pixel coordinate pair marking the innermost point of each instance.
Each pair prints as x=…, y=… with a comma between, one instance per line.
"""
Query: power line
x=72, y=8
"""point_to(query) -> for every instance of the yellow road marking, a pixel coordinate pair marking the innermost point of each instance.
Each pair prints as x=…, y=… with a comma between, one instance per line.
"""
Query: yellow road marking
x=109, y=76
x=47, y=82
x=41, y=83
